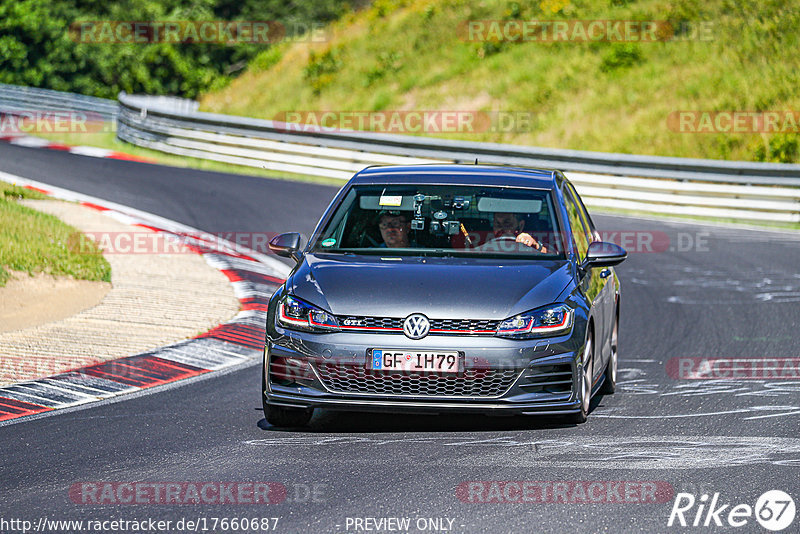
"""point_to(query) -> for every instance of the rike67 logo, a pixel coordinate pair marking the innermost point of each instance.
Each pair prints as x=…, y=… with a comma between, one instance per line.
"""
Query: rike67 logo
x=774, y=510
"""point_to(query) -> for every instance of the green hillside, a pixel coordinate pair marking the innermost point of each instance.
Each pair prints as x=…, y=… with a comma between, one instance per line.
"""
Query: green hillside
x=720, y=55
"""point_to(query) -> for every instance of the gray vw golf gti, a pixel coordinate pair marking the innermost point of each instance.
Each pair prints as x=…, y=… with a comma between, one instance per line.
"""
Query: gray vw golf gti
x=447, y=288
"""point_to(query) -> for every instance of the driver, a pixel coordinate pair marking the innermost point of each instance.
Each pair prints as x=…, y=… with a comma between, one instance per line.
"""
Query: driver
x=395, y=228
x=509, y=225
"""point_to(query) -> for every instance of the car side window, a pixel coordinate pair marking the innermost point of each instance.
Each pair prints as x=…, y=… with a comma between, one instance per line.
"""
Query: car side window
x=587, y=220
x=579, y=234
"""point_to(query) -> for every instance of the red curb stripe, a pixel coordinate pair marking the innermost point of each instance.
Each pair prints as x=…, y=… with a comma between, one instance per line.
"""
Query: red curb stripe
x=130, y=157
x=71, y=149
x=143, y=371
x=11, y=409
x=209, y=249
x=258, y=306
x=43, y=191
x=59, y=146
x=252, y=345
x=236, y=275
x=231, y=275
x=244, y=336
x=148, y=227
x=95, y=206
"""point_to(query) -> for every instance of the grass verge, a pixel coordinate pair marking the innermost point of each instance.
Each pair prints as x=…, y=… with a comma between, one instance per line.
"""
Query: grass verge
x=33, y=242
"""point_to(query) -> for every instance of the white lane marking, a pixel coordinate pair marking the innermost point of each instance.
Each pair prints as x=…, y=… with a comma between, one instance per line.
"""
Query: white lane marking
x=30, y=141
x=670, y=416
x=772, y=415
x=91, y=151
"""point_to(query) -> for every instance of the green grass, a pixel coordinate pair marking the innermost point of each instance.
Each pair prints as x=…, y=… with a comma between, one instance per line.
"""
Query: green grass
x=611, y=97
x=34, y=242
x=109, y=141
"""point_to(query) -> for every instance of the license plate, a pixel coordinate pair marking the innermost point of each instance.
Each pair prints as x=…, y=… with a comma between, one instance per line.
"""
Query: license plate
x=412, y=361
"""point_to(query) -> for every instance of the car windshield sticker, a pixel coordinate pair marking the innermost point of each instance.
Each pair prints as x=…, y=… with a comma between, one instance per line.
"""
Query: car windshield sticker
x=390, y=200
x=329, y=242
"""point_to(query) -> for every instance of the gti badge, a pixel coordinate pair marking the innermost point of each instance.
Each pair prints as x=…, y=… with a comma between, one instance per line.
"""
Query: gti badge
x=416, y=326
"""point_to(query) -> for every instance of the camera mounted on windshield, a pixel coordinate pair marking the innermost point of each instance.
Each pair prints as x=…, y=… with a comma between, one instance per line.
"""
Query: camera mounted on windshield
x=438, y=210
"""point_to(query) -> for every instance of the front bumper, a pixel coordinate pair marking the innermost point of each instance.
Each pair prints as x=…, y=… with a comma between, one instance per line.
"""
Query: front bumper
x=544, y=372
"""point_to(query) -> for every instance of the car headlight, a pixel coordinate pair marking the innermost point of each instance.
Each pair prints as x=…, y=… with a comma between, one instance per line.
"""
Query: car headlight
x=553, y=320
x=296, y=314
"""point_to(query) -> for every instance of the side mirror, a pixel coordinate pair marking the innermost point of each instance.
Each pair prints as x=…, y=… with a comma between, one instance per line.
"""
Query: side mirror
x=603, y=254
x=287, y=246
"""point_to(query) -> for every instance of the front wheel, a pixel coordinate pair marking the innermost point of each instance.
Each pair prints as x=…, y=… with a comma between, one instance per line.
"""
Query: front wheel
x=278, y=415
x=585, y=383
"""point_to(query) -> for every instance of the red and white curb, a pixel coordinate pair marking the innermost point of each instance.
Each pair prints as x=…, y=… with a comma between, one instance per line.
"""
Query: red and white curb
x=254, y=277
x=95, y=152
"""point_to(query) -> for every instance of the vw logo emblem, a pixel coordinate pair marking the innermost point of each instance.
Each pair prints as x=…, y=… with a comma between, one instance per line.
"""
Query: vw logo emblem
x=416, y=326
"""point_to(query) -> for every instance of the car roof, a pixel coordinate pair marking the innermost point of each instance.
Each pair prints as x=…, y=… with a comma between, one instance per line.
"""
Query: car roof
x=457, y=174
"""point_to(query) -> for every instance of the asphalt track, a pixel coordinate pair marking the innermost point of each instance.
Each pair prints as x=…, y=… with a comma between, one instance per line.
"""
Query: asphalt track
x=714, y=293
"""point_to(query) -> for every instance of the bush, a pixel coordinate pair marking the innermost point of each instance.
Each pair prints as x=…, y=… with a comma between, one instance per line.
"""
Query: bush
x=621, y=55
x=780, y=148
x=321, y=68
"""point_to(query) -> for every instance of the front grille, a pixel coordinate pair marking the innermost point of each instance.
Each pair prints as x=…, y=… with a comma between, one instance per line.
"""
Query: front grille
x=470, y=383
x=438, y=326
x=464, y=325
x=548, y=379
x=353, y=321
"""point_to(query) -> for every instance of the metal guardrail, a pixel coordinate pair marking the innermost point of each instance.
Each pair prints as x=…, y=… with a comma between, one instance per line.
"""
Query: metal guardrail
x=17, y=99
x=677, y=186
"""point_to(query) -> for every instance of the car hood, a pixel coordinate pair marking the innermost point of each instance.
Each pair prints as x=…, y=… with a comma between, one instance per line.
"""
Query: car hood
x=440, y=288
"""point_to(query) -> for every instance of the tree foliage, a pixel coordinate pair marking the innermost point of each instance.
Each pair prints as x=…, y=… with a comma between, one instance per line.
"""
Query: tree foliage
x=38, y=50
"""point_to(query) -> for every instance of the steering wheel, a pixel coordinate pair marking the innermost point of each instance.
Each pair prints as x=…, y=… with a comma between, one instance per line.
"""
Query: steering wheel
x=522, y=245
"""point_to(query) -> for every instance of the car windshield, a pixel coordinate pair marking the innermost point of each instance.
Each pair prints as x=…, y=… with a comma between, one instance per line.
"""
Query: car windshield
x=442, y=220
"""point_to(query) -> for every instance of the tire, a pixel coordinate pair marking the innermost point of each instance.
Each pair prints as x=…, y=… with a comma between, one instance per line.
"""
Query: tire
x=610, y=383
x=280, y=416
x=586, y=382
